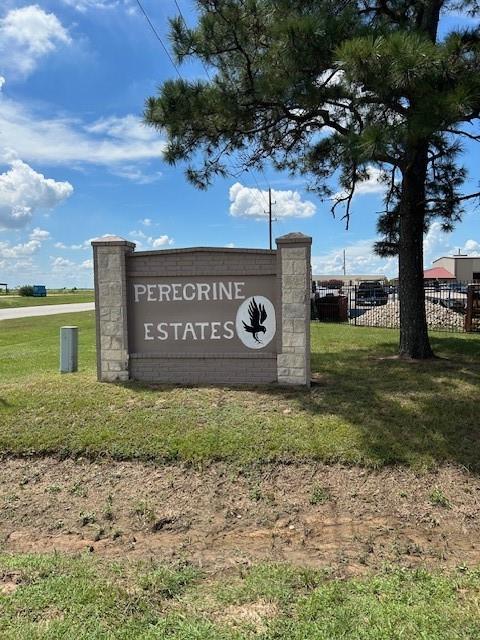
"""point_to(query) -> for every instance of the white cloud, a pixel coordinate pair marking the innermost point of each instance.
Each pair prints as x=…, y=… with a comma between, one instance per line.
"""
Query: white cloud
x=87, y=244
x=128, y=126
x=85, y=5
x=23, y=191
x=87, y=264
x=69, y=141
x=135, y=174
x=26, y=35
x=25, y=263
x=247, y=202
x=162, y=241
x=435, y=241
x=23, y=249
x=230, y=245
x=39, y=234
x=147, y=222
x=75, y=247
x=137, y=234
x=142, y=239
x=373, y=185
x=2, y=82
x=438, y=243
x=61, y=263
x=472, y=247
x=360, y=259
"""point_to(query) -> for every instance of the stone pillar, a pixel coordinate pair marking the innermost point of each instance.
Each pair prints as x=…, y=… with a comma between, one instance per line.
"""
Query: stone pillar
x=293, y=360
x=111, y=307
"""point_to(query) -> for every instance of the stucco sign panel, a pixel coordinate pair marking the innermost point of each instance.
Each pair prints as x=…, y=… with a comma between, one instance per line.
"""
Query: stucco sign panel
x=202, y=315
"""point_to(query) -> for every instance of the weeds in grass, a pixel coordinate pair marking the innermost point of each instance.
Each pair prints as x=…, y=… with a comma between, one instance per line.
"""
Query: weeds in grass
x=144, y=511
x=256, y=494
x=168, y=583
x=319, y=495
x=77, y=489
x=439, y=499
x=99, y=535
x=108, y=510
x=87, y=518
x=53, y=488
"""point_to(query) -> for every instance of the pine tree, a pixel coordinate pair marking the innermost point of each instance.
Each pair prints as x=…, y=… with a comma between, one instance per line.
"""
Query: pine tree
x=326, y=88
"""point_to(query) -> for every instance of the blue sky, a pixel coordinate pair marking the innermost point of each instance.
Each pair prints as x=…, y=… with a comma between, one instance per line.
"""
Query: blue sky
x=76, y=162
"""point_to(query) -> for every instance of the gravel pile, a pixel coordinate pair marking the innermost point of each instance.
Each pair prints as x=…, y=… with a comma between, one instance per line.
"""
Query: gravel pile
x=388, y=315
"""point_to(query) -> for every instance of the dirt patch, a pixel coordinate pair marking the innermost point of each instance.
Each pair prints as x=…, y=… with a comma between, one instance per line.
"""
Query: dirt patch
x=9, y=581
x=347, y=519
x=254, y=614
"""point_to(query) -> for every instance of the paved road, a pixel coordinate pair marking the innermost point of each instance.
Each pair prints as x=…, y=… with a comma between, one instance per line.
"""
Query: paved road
x=45, y=310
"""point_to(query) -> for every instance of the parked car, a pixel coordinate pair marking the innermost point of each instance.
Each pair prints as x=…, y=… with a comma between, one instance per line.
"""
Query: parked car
x=448, y=297
x=455, y=304
x=458, y=286
x=371, y=292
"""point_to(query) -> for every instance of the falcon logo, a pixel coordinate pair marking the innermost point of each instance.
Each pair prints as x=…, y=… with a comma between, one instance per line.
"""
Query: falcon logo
x=258, y=315
x=256, y=324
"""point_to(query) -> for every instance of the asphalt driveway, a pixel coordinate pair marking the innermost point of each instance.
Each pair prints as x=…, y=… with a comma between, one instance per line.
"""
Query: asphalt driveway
x=47, y=310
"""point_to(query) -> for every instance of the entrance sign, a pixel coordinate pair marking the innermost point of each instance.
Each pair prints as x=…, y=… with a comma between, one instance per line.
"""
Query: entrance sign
x=203, y=315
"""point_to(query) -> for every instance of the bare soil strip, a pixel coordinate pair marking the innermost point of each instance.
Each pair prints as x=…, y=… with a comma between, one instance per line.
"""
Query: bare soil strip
x=348, y=519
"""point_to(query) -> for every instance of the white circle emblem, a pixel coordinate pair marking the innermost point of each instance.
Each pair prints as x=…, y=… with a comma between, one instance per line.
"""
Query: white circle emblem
x=256, y=324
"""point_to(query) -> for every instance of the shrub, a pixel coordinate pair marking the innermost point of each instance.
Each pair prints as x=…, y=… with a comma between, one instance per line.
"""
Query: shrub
x=26, y=290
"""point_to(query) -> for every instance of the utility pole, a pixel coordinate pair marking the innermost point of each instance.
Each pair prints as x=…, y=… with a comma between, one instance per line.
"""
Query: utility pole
x=270, y=216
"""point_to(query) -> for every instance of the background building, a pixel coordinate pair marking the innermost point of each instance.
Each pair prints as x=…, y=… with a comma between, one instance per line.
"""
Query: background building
x=349, y=280
x=463, y=268
x=438, y=274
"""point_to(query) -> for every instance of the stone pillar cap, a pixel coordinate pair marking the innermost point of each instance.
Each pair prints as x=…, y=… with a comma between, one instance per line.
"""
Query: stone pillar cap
x=112, y=241
x=294, y=238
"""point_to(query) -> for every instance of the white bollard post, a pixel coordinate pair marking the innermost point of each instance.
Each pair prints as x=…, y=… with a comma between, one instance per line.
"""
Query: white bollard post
x=68, y=349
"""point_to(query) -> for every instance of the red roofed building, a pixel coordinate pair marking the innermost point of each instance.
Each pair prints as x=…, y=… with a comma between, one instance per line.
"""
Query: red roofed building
x=438, y=274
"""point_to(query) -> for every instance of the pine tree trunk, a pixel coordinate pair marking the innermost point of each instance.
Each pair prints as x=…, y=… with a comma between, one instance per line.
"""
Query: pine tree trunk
x=414, y=342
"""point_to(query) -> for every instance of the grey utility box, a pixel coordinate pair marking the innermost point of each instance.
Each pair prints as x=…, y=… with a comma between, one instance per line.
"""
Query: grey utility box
x=68, y=349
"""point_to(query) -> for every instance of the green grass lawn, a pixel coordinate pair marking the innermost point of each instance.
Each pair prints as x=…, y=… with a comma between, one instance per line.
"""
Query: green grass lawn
x=12, y=301
x=55, y=597
x=366, y=408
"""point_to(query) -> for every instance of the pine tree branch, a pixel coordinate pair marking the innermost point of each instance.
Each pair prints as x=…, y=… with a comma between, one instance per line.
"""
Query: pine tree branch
x=464, y=133
x=470, y=196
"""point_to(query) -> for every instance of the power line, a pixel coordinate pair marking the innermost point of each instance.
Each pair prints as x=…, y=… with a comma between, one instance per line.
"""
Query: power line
x=209, y=77
x=155, y=32
x=258, y=186
x=186, y=26
x=157, y=35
